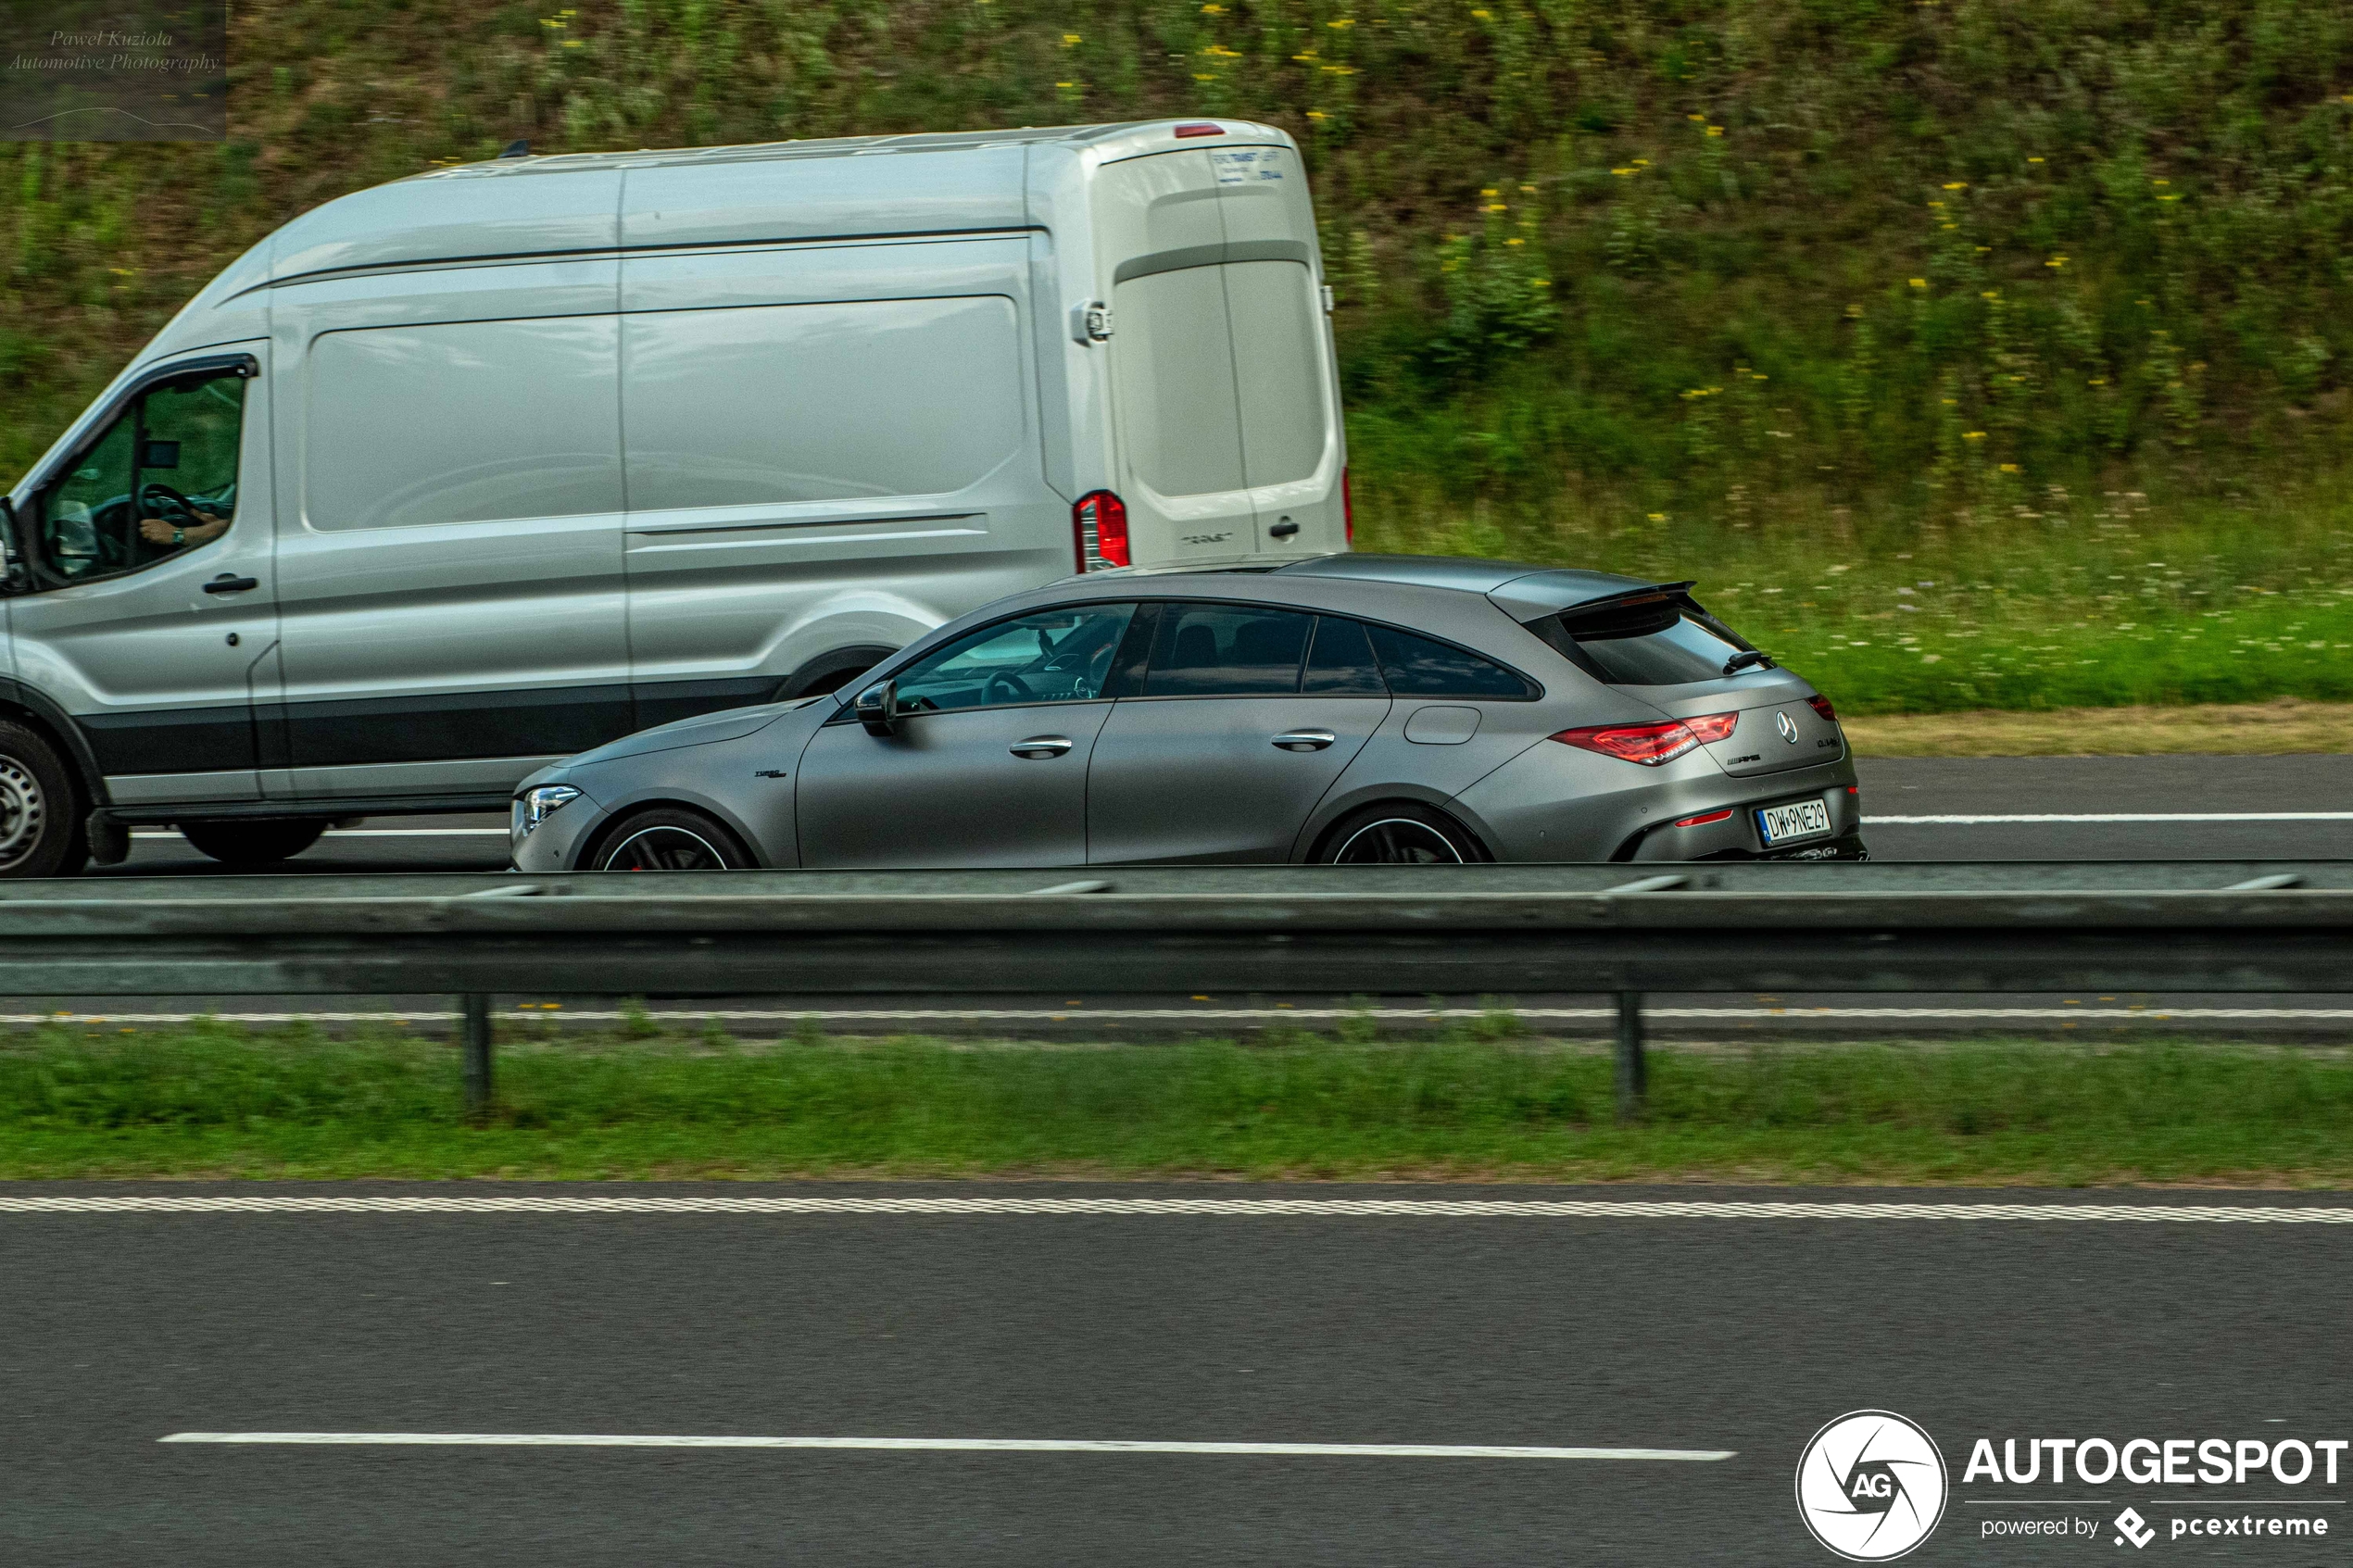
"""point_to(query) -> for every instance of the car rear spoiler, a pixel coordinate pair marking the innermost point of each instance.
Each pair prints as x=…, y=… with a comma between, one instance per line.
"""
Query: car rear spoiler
x=1529, y=609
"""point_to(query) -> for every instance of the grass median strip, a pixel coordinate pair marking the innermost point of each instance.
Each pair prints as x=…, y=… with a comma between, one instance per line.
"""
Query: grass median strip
x=220, y=1101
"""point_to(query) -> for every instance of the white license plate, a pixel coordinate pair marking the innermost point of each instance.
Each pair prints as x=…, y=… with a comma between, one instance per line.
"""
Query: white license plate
x=1799, y=819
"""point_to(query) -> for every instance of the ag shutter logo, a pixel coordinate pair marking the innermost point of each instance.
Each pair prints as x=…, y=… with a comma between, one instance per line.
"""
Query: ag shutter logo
x=1872, y=1486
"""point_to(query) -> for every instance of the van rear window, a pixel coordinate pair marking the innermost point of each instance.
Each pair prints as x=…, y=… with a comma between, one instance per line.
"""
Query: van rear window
x=1649, y=640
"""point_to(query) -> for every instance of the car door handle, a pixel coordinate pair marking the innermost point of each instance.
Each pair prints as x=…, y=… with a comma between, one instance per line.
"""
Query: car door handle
x=1036, y=749
x=1305, y=740
x=228, y=584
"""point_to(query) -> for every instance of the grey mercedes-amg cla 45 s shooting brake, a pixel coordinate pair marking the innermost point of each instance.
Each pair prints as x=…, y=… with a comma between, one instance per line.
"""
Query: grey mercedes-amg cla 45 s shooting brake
x=1349, y=709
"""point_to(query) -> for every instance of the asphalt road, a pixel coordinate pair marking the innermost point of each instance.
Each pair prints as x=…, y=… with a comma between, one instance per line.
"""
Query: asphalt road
x=1744, y=1335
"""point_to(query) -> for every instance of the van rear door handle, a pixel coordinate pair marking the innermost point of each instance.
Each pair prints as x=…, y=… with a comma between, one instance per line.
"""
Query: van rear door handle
x=1036, y=749
x=228, y=582
x=1305, y=740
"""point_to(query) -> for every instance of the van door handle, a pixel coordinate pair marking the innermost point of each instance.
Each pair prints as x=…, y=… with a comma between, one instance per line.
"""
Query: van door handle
x=1305, y=740
x=228, y=582
x=1036, y=749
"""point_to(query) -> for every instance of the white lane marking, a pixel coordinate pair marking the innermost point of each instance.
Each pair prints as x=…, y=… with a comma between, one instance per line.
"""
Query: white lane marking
x=1959, y=820
x=373, y=832
x=946, y=1445
x=2152, y=1013
x=1227, y=1207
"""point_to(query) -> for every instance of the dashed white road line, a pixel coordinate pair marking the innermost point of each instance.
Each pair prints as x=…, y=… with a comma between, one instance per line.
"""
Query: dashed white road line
x=1219, y=1208
x=1956, y=819
x=940, y=1445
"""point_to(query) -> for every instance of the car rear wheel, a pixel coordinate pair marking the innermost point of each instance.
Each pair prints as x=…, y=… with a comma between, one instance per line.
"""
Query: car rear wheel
x=1400, y=835
x=669, y=838
x=40, y=826
x=256, y=842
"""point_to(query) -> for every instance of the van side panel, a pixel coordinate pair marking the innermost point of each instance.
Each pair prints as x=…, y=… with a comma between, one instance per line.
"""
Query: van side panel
x=450, y=566
x=867, y=193
x=828, y=446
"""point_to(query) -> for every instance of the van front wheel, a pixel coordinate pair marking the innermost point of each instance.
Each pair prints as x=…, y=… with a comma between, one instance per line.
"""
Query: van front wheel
x=255, y=843
x=40, y=828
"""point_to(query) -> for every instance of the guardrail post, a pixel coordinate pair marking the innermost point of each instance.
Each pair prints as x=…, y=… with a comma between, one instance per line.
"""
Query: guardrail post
x=475, y=1037
x=1633, y=1071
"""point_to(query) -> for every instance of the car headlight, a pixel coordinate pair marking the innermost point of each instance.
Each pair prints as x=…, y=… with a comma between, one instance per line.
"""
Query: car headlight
x=534, y=807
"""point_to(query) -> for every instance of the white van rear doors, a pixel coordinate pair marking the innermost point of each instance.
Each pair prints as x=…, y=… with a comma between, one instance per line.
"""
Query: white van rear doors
x=1222, y=382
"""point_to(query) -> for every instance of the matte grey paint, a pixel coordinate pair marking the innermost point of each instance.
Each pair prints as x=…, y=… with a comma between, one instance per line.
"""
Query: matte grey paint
x=1202, y=779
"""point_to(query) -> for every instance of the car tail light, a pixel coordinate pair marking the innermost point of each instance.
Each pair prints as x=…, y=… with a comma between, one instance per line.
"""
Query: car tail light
x=1347, y=509
x=1821, y=705
x=1099, y=527
x=1714, y=727
x=1649, y=744
x=1199, y=128
x=1704, y=818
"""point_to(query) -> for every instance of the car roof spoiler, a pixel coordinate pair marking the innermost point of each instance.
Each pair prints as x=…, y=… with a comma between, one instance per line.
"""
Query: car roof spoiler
x=1550, y=593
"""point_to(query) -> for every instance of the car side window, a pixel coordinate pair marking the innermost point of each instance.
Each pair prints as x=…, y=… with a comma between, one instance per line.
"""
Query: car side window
x=1227, y=650
x=1341, y=663
x=1049, y=655
x=1423, y=667
x=161, y=480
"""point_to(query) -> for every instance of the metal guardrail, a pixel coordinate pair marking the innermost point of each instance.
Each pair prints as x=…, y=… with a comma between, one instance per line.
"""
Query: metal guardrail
x=1495, y=929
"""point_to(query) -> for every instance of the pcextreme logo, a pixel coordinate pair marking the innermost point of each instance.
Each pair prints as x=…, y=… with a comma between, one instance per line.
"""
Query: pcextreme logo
x=1872, y=1486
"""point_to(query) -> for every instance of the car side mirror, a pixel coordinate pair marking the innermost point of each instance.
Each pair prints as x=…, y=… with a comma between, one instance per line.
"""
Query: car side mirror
x=877, y=708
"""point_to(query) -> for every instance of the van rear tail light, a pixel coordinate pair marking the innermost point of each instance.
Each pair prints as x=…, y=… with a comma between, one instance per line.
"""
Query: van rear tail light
x=1099, y=528
x=1704, y=818
x=1347, y=509
x=1821, y=705
x=1649, y=744
x=1197, y=128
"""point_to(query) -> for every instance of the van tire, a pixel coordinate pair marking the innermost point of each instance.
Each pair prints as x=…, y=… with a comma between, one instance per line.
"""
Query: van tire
x=41, y=812
x=668, y=838
x=1400, y=834
x=259, y=841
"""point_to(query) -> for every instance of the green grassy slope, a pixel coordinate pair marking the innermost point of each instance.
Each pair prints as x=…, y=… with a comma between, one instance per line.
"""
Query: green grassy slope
x=2041, y=302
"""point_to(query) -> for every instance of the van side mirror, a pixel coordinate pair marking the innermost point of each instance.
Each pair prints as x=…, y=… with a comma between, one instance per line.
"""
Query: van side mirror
x=18, y=577
x=877, y=708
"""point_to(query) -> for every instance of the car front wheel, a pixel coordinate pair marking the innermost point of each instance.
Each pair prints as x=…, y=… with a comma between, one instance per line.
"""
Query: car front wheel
x=669, y=838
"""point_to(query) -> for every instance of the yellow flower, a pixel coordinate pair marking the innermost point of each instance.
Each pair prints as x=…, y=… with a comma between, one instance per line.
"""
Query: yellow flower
x=2056, y=261
x=574, y=43
x=1308, y=58
x=1069, y=39
x=1701, y=118
x=1316, y=114
x=1344, y=21
x=1488, y=192
x=1484, y=15
x=1625, y=171
x=1957, y=185
x=1972, y=435
x=1658, y=517
x=2010, y=467
x=1515, y=240
x=1917, y=282
x=2034, y=160
x=1332, y=71
x=1716, y=131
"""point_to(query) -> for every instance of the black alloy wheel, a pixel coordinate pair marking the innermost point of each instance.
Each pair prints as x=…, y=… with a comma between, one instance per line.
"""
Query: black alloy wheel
x=1401, y=835
x=670, y=839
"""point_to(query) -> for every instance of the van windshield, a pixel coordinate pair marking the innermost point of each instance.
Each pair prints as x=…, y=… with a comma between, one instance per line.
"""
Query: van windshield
x=1662, y=639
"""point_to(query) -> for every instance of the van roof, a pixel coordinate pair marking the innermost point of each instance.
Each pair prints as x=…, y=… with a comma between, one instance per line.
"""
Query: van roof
x=1114, y=137
x=770, y=191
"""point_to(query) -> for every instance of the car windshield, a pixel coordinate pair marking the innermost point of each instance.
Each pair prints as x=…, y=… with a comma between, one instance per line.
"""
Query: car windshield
x=1053, y=655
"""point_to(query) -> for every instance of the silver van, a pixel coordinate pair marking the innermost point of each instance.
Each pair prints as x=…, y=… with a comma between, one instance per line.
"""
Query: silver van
x=451, y=478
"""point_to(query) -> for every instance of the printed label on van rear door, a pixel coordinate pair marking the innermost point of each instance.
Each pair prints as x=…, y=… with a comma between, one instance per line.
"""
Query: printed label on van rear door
x=1247, y=165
